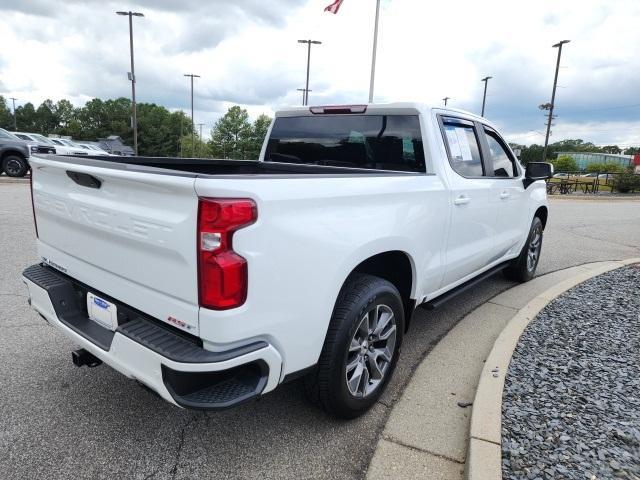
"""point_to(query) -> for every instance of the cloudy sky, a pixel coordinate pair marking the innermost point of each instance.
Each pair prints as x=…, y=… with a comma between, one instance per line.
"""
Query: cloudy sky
x=246, y=53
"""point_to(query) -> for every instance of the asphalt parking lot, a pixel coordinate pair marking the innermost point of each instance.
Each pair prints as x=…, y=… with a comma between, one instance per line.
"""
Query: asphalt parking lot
x=59, y=421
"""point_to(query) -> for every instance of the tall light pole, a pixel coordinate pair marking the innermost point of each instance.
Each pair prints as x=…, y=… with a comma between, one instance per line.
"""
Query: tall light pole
x=193, y=125
x=484, y=97
x=304, y=93
x=132, y=75
x=15, y=121
x=308, y=42
x=373, y=53
x=553, y=98
x=201, y=141
x=445, y=99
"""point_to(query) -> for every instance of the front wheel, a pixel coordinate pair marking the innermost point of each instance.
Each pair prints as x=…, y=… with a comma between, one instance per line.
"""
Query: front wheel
x=15, y=166
x=523, y=268
x=361, y=348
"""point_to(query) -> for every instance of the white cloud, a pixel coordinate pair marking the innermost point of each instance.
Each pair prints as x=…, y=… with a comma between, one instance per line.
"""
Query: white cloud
x=247, y=53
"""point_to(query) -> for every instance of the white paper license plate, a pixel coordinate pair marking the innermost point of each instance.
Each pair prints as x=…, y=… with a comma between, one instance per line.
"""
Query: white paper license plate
x=102, y=312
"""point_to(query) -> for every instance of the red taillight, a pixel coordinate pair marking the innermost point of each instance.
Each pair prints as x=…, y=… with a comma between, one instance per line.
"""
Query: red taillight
x=33, y=206
x=222, y=273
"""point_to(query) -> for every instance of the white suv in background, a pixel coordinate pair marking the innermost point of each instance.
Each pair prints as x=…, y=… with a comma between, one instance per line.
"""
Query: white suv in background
x=67, y=147
x=94, y=149
x=60, y=148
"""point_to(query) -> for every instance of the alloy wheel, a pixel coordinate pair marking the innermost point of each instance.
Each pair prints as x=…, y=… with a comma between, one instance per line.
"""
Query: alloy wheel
x=370, y=351
x=533, y=252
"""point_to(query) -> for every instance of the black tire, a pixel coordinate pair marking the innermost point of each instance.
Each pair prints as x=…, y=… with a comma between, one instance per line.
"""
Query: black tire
x=523, y=268
x=15, y=166
x=328, y=384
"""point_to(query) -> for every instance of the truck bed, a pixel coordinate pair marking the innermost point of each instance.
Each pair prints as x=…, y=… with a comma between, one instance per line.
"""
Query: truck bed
x=215, y=167
x=127, y=225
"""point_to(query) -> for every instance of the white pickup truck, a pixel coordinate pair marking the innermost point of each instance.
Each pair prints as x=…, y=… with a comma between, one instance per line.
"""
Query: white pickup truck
x=211, y=282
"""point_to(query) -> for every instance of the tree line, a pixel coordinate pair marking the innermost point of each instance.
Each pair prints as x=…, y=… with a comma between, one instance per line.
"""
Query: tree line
x=161, y=133
x=233, y=136
x=164, y=133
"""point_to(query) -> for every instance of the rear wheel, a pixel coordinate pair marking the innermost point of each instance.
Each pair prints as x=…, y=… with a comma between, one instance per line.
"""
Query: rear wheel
x=523, y=268
x=361, y=348
x=15, y=166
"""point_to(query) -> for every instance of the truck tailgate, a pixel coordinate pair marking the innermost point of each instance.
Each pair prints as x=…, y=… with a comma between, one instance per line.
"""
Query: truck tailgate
x=131, y=235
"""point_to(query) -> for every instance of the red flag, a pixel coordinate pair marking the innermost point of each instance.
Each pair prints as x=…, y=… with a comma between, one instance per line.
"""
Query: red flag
x=334, y=7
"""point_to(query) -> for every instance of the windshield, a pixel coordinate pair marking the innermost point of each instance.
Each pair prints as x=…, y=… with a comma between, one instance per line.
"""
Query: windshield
x=22, y=136
x=57, y=142
x=382, y=142
x=7, y=135
x=41, y=138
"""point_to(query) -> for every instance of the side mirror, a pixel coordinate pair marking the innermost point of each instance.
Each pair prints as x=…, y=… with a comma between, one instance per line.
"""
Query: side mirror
x=538, y=171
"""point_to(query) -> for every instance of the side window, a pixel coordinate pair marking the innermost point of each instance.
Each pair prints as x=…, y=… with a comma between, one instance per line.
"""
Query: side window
x=503, y=163
x=463, y=148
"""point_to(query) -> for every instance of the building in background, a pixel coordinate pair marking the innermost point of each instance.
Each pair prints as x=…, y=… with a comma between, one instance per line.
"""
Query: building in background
x=583, y=158
x=114, y=145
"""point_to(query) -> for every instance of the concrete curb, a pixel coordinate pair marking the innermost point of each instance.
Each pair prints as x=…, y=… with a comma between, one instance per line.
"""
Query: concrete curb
x=633, y=197
x=13, y=180
x=484, y=459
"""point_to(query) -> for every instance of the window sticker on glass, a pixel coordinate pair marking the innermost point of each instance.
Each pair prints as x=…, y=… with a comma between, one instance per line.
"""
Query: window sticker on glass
x=464, y=144
x=459, y=143
x=454, y=145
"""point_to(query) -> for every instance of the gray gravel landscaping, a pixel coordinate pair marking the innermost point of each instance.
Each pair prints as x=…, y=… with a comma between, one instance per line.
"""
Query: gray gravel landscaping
x=571, y=404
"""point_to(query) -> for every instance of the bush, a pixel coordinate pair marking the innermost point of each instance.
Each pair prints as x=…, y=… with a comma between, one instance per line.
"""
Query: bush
x=603, y=168
x=626, y=182
x=564, y=163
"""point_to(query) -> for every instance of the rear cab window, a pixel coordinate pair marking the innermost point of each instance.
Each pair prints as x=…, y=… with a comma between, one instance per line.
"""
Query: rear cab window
x=379, y=142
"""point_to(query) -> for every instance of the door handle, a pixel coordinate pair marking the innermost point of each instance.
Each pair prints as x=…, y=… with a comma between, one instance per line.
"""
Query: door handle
x=462, y=200
x=504, y=195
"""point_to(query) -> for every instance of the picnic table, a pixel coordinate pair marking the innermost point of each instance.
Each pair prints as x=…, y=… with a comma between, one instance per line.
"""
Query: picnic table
x=564, y=187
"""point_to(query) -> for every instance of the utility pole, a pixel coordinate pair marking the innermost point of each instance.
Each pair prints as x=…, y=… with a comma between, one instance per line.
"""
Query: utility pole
x=306, y=89
x=553, y=98
x=15, y=121
x=373, y=54
x=445, y=100
x=193, y=125
x=181, y=131
x=304, y=93
x=484, y=97
x=132, y=77
x=201, y=141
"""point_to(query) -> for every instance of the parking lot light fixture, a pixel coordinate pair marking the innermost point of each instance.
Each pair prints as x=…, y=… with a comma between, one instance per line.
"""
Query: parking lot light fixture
x=132, y=78
x=193, y=125
x=308, y=42
x=15, y=121
x=484, y=97
x=553, y=98
x=304, y=93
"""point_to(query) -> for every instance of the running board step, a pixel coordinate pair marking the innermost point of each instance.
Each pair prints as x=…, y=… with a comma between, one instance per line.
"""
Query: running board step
x=445, y=297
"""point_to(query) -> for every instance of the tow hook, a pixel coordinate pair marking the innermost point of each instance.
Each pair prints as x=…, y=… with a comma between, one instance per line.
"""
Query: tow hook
x=81, y=357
